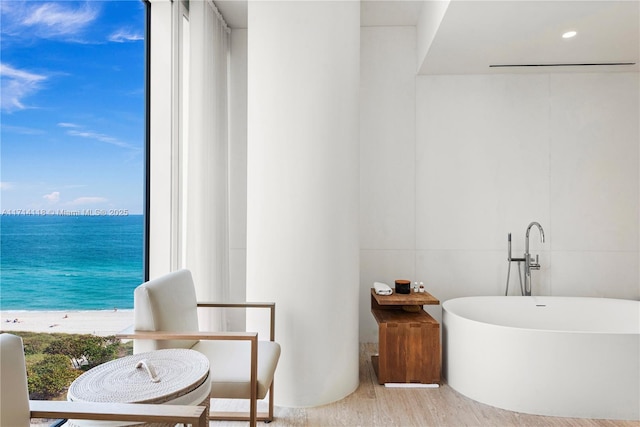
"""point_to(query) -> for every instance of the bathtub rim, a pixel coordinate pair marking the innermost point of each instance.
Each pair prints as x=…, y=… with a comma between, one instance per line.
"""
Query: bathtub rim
x=557, y=330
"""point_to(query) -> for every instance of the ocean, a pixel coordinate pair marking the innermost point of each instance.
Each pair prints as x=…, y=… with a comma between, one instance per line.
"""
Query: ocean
x=70, y=262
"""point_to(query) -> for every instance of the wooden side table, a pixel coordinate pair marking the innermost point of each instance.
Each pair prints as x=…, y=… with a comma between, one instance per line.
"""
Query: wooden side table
x=408, y=338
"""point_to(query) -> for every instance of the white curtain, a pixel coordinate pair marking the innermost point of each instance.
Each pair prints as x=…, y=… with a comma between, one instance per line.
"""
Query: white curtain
x=205, y=204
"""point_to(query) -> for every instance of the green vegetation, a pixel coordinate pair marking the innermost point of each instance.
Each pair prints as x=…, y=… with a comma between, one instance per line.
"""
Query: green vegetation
x=50, y=376
x=55, y=360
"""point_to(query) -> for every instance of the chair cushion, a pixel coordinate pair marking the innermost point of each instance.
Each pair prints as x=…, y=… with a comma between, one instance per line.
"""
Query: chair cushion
x=231, y=363
x=169, y=304
x=14, y=395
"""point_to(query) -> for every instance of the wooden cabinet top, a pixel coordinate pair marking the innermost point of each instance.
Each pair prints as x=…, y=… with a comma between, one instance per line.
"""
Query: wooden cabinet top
x=414, y=298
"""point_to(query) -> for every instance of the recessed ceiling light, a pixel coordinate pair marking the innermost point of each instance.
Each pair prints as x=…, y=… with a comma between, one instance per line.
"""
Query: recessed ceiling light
x=569, y=34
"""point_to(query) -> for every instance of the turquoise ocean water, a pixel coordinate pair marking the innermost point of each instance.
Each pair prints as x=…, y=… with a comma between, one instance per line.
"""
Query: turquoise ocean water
x=70, y=262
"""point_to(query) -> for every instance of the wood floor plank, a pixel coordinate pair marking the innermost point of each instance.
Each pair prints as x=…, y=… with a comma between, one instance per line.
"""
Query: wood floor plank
x=373, y=405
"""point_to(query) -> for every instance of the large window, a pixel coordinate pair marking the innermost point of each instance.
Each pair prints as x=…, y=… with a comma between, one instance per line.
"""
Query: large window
x=72, y=155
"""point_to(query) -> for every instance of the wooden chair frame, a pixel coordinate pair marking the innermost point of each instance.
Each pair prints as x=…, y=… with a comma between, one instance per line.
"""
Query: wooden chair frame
x=134, y=412
x=17, y=390
x=252, y=337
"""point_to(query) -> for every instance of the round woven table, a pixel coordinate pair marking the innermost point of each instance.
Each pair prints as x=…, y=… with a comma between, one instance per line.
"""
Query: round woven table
x=172, y=376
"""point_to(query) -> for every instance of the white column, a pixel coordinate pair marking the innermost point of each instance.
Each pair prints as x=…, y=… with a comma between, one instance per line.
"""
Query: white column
x=302, y=191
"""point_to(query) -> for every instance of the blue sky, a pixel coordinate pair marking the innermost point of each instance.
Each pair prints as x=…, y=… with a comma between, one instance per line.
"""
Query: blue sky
x=72, y=105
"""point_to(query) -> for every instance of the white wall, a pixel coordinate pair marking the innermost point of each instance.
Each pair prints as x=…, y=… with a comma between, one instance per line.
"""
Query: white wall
x=387, y=162
x=490, y=154
x=444, y=181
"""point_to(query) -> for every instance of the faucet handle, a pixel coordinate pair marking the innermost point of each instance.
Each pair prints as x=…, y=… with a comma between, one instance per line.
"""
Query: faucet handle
x=535, y=265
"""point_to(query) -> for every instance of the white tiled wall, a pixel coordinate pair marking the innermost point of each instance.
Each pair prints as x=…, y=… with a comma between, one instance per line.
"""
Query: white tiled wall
x=387, y=159
x=487, y=155
x=482, y=153
x=594, y=163
x=594, y=173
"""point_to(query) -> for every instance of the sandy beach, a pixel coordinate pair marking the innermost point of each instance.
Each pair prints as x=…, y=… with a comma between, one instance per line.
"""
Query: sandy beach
x=97, y=322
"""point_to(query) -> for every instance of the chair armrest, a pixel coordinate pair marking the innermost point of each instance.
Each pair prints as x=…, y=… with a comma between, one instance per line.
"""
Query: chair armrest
x=270, y=305
x=137, y=412
x=130, y=333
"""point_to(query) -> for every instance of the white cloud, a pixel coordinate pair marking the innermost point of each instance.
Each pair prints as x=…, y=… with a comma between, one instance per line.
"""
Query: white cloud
x=16, y=85
x=88, y=200
x=28, y=19
x=125, y=35
x=53, y=197
x=99, y=137
x=22, y=130
x=14, y=73
x=77, y=130
x=4, y=185
x=68, y=125
x=58, y=19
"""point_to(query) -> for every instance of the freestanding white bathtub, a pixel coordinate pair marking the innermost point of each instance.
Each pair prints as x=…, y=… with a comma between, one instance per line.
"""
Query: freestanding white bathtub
x=558, y=356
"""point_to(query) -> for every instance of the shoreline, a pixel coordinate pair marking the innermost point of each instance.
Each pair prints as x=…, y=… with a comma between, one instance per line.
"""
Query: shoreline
x=95, y=322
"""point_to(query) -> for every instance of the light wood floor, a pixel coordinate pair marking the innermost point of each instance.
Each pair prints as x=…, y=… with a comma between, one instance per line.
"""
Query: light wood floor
x=375, y=405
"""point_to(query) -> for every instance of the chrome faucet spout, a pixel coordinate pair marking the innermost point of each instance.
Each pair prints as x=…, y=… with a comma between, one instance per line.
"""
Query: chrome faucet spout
x=529, y=263
x=537, y=224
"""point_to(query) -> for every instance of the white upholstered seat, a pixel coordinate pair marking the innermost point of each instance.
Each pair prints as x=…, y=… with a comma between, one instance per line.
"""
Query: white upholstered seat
x=232, y=360
x=168, y=305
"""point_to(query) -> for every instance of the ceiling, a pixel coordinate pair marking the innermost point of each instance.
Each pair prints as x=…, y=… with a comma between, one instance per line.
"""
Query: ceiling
x=234, y=12
x=475, y=34
x=372, y=12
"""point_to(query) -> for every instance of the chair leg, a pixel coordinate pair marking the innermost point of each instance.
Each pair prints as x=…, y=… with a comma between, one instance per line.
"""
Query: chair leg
x=252, y=416
x=253, y=412
x=270, y=403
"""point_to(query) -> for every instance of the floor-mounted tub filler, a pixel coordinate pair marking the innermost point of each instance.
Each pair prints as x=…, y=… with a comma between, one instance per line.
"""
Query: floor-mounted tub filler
x=527, y=259
x=557, y=356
